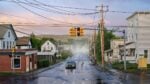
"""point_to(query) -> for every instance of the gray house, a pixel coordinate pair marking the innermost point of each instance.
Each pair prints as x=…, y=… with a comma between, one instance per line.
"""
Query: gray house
x=138, y=34
x=8, y=36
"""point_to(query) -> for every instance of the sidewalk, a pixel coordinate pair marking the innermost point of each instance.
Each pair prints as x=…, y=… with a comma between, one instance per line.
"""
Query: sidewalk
x=28, y=75
x=41, y=70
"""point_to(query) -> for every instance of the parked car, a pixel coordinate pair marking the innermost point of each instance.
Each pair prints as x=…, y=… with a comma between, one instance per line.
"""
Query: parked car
x=71, y=65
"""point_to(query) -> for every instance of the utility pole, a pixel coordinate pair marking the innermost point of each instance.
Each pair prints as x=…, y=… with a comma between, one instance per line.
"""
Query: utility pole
x=94, y=45
x=102, y=11
x=124, y=35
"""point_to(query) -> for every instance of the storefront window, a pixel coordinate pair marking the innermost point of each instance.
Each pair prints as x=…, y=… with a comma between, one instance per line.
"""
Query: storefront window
x=16, y=62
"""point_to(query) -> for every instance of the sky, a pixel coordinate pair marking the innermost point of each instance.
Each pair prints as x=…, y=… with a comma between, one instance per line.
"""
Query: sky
x=45, y=15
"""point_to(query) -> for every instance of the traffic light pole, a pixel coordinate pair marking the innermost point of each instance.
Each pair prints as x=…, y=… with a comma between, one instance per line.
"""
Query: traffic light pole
x=124, y=34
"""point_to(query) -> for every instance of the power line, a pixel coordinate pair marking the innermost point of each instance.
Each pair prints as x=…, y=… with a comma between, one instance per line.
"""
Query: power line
x=41, y=15
x=59, y=12
x=71, y=13
x=22, y=32
x=125, y=12
x=54, y=6
x=63, y=25
x=44, y=16
x=42, y=4
x=15, y=30
x=12, y=15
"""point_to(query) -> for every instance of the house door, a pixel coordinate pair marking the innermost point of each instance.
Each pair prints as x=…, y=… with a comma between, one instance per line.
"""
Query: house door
x=30, y=62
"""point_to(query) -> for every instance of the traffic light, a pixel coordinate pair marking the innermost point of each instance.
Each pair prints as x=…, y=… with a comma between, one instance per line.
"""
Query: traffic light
x=78, y=31
x=72, y=32
x=81, y=31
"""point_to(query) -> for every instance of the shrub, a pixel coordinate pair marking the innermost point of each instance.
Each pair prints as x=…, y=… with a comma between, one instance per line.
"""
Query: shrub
x=43, y=63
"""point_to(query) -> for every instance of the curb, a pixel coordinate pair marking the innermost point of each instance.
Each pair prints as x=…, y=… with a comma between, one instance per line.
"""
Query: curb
x=41, y=70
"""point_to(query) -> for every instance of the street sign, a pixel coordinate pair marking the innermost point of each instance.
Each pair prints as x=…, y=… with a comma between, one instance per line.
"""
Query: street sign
x=13, y=50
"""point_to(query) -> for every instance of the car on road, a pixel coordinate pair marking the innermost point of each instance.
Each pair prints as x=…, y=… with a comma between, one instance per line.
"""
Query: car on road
x=70, y=65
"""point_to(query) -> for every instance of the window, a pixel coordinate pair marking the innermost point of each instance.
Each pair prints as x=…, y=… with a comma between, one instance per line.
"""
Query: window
x=16, y=63
x=10, y=44
x=3, y=44
x=145, y=53
x=7, y=45
x=13, y=44
x=8, y=34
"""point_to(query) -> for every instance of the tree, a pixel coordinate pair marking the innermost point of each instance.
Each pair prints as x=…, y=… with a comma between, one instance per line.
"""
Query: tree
x=108, y=35
x=35, y=42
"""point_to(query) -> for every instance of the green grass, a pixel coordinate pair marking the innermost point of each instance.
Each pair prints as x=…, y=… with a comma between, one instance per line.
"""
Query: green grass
x=131, y=67
x=8, y=74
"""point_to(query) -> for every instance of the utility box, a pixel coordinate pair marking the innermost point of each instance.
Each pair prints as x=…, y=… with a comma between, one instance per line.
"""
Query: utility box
x=142, y=63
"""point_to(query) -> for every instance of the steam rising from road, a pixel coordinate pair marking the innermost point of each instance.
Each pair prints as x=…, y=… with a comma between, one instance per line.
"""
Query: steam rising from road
x=80, y=46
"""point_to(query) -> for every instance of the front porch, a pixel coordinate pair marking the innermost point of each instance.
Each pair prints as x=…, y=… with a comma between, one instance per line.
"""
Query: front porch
x=129, y=52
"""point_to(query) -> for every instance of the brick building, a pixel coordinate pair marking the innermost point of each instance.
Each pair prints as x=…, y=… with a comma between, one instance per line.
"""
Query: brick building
x=20, y=61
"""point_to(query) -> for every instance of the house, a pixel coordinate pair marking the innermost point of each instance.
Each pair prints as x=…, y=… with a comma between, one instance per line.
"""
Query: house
x=138, y=34
x=48, y=51
x=23, y=43
x=48, y=46
x=18, y=59
x=8, y=36
x=112, y=54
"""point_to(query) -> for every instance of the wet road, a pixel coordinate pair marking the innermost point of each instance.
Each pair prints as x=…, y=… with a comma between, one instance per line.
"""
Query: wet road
x=85, y=73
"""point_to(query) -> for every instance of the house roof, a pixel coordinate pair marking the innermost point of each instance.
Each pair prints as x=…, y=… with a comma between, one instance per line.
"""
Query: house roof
x=109, y=50
x=4, y=28
x=49, y=42
x=23, y=41
x=146, y=12
x=127, y=44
